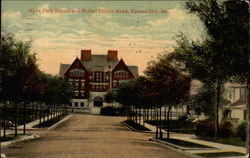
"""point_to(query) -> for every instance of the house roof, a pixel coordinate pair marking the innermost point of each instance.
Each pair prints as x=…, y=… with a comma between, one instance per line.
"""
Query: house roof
x=63, y=68
x=238, y=103
x=98, y=63
x=134, y=70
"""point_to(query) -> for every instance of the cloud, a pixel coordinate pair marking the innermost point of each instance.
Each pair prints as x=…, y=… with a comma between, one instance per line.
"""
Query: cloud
x=11, y=15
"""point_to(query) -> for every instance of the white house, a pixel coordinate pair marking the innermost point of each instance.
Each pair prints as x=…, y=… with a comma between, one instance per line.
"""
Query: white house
x=237, y=95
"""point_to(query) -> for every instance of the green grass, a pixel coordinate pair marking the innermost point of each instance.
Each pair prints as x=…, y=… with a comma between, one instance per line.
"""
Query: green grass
x=136, y=126
x=175, y=125
x=183, y=143
x=230, y=141
x=12, y=137
x=50, y=122
x=219, y=154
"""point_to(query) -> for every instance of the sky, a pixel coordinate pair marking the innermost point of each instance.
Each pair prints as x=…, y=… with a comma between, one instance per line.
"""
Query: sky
x=59, y=30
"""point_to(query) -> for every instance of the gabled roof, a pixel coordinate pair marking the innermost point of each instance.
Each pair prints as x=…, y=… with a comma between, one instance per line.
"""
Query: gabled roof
x=99, y=63
x=76, y=64
x=239, y=102
x=122, y=64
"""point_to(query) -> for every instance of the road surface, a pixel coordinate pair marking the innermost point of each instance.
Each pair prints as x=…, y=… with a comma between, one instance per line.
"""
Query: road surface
x=91, y=136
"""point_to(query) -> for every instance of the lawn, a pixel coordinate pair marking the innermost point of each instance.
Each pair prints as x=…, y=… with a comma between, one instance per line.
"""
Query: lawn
x=50, y=122
x=12, y=137
x=185, y=144
x=220, y=154
x=136, y=126
x=175, y=125
x=230, y=141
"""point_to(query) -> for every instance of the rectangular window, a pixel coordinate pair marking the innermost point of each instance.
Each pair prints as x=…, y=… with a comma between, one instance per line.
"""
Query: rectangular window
x=76, y=93
x=82, y=84
x=76, y=84
x=76, y=104
x=82, y=104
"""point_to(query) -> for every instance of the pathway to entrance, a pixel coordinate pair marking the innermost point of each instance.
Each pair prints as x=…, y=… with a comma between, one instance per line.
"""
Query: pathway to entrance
x=91, y=136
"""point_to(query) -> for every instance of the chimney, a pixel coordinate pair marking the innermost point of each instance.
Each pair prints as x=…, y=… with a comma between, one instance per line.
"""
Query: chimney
x=112, y=55
x=86, y=55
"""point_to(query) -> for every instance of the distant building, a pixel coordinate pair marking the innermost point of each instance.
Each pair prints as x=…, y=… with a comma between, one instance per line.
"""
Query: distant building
x=237, y=95
x=92, y=76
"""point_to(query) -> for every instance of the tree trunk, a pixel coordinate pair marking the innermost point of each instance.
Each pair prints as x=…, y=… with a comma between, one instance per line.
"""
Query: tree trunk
x=40, y=115
x=160, y=125
x=168, y=122
x=248, y=117
x=24, y=118
x=151, y=111
x=218, y=100
x=4, y=120
x=15, y=119
x=156, y=113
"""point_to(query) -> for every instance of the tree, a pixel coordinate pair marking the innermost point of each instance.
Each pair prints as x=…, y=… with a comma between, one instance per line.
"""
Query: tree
x=222, y=53
x=110, y=96
x=202, y=102
x=126, y=94
x=17, y=67
x=168, y=86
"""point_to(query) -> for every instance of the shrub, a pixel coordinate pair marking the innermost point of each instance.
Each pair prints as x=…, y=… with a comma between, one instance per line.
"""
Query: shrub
x=241, y=131
x=225, y=129
x=204, y=128
x=110, y=111
x=183, y=118
x=113, y=111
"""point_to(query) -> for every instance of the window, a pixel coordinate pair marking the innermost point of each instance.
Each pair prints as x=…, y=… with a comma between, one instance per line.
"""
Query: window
x=82, y=104
x=76, y=104
x=121, y=73
x=76, y=84
x=76, y=93
x=82, y=84
x=82, y=93
x=77, y=72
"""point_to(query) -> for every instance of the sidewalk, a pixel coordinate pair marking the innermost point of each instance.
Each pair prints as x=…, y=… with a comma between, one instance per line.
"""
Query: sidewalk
x=29, y=126
x=217, y=147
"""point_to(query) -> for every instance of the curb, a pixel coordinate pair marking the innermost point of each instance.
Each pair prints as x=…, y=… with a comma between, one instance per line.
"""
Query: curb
x=174, y=147
x=22, y=139
x=58, y=123
x=134, y=130
x=179, y=147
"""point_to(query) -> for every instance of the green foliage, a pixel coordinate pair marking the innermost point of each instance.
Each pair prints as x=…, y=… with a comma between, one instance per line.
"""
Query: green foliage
x=226, y=24
x=18, y=68
x=203, y=101
x=183, y=118
x=241, y=131
x=110, y=96
x=167, y=85
x=23, y=81
x=205, y=128
x=127, y=93
x=226, y=129
x=57, y=91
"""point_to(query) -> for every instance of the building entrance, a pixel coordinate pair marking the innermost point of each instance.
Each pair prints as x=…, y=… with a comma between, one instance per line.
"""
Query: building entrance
x=98, y=101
